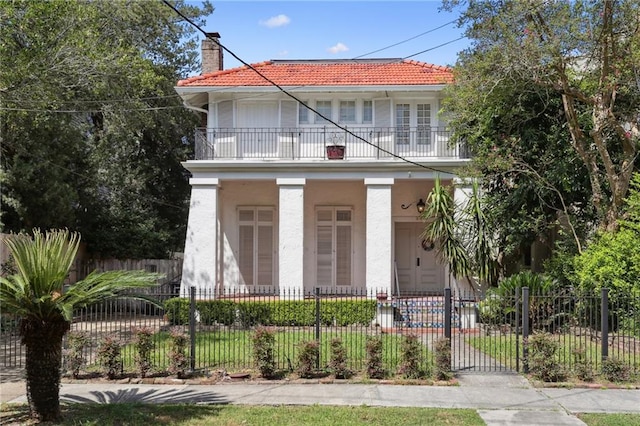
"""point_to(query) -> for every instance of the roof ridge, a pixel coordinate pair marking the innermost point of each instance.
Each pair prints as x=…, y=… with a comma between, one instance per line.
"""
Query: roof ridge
x=221, y=73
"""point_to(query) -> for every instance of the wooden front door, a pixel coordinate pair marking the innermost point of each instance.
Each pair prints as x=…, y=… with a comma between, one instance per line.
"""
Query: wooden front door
x=418, y=268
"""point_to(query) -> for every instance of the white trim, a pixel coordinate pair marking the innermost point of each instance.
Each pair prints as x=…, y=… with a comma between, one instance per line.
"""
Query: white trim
x=291, y=181
x=379, y=181
x=204, y=181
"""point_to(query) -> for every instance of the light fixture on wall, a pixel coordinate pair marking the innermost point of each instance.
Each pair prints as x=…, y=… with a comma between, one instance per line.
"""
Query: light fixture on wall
x=420, y=205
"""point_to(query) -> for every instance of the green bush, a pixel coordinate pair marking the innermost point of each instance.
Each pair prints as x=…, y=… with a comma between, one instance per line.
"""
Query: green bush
x=177, y=310
x=178, y=360
x=338, y=362
x=264, y=341
x=251, y=314
x=582, y=367
x=307, y=357
x=412, y=365
x=110, y=356
x=216, y=311
x=144, y=346
x=77, y=341
x=543, y=359
x=616, y=370
x=443, y=359
x=375, y=365
x=279, y=313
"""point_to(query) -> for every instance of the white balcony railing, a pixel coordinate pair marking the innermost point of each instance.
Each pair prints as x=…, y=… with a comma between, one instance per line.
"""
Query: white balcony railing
x=312, y=143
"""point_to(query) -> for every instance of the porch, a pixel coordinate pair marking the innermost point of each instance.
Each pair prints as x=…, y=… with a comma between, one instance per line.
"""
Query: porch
x=311, y=143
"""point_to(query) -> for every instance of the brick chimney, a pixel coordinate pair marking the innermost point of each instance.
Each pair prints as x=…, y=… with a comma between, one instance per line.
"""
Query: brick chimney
x=211, y=54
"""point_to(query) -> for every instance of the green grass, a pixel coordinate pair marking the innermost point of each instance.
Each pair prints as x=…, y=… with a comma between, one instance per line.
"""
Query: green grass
x=232, y=349
x=599, y=419
x=190, y=415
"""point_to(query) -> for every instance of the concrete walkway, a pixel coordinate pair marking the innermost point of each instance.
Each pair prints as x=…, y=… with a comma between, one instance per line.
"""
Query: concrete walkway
x=501, y=399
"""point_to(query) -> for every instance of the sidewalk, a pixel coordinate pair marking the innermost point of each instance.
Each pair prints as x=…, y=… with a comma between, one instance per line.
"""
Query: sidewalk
x=501, y=399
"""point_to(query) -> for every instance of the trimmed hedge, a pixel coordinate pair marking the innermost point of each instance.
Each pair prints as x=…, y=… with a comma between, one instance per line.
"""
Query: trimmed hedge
x=276, y=313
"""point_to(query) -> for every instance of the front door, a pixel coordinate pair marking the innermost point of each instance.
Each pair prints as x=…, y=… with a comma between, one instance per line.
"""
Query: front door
x=418, y=269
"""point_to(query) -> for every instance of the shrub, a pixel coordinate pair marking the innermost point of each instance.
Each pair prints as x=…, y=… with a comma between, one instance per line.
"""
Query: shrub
x=144, y=345
x=263, y=351
x=254, y=313
x=338, y=362
x=74, y=355
x=375, y=367
x=583, y=368
x=110, y=356
x=295, y=313
x=216, y=311
x=615, y=370
x=308, y=356
x=543, y=361
x=412, y=365
x=443, y=359
x=178, y=360
x=177, y=310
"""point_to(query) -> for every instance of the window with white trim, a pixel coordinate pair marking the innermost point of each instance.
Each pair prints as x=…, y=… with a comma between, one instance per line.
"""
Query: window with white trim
x=256, y=245
x=367, y=112
x=347, y=112
x=324, y=108
x=334, y=246
x=303, y=113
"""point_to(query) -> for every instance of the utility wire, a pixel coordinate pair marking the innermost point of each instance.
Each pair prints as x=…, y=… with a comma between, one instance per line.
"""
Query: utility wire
x=406, y=40
x=281, y=89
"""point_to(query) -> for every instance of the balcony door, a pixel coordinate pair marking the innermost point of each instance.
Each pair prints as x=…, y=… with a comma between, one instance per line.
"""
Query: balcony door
x=418, y=268
x=257, y=126
x=413, y=129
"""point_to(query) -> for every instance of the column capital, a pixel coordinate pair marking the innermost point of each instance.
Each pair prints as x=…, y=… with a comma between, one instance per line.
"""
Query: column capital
x=291, y=181
x=379, y=181
x=204, y=181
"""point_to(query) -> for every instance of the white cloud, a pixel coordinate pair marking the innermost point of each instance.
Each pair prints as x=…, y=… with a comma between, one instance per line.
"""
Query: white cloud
x=283, y=53
x=337, y=48
x=276, y=21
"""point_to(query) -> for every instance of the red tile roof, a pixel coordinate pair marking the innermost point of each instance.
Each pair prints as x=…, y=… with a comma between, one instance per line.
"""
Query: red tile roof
x=382, y=72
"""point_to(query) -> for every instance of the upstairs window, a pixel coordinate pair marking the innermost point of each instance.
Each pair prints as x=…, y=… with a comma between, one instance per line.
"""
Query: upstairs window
x=324, y=108
x=347, y=111
x=367, y=112
x=303, y=113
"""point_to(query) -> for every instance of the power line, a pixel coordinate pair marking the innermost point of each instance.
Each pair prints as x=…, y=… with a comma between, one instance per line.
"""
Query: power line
x=406, y=40
x=281, y=89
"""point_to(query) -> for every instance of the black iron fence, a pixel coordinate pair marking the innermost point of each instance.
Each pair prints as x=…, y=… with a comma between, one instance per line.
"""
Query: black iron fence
x=490, y=334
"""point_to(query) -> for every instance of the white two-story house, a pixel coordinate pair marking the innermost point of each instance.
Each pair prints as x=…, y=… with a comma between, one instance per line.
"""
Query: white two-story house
x=284, y=200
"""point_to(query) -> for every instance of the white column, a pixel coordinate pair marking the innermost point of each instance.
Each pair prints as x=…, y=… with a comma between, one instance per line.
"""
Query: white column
x=200, y=266
x=379, y=247
x=291, y=237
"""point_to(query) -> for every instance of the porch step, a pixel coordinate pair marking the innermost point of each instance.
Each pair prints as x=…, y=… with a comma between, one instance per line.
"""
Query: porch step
x=422, y=313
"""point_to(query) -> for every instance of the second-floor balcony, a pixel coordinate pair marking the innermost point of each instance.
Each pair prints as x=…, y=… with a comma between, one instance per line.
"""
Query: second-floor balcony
x=325, y=143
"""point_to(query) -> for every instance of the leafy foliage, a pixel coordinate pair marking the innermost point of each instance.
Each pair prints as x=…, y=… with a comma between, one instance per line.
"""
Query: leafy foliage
x=178, y=360
x=110, y=356
x=35, y=295
x=443, y=359
x=547, y=97
x=144, y=345
x=543, y=358
x=375, y=364
x=93, y=132
x=616, y=370
x=338, y=361
x=264, y=341
x=412, y=365
x=308, y=356
x=74, y=355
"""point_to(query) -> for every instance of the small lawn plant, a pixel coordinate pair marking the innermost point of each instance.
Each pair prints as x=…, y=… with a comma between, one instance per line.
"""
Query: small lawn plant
x=263, y=351
x=338, y=362
x=178, y=361
x=375, y=365
x=308, y=356
x=412, y=365
x=110, y=356
x=143, y=343
x=74, y=355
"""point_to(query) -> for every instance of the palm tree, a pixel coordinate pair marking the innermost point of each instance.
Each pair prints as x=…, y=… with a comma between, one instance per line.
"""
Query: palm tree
x=35, y=295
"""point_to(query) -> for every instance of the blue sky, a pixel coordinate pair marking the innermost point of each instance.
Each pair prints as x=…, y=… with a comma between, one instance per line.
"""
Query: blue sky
x=263, y=30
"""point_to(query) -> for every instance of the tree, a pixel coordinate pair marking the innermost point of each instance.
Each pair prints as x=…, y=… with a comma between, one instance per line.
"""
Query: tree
x=36, y=295
x=93, y=132
x=583, y=53
x=461, y=235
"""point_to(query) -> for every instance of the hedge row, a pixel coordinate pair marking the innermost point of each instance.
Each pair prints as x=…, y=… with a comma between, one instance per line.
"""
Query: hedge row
x=279, y=313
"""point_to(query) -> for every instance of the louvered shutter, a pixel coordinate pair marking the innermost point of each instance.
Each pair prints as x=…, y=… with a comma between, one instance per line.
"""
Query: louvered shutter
x=382, y=113
x=245, y=254
x=225, y=115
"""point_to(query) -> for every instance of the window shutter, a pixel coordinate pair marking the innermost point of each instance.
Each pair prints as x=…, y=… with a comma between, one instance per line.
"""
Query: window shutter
x=343, y=255
x=288, y=110
x=225, y=115
x=382, y=112
x=324, y=254
x=246, y=254
x=265, y=255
